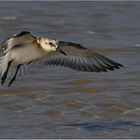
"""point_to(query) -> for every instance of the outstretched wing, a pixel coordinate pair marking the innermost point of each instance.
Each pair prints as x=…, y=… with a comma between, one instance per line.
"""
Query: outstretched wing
x=80, y=58
x=16, y=40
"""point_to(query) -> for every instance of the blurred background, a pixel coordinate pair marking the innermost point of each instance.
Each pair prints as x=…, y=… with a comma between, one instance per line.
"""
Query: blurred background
x=56, y=102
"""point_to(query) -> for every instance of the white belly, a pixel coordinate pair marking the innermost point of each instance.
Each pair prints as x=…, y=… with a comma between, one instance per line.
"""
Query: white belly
x=23, y=55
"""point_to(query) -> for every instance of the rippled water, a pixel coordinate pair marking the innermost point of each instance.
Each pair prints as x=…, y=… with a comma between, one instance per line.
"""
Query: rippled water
x=55, y=102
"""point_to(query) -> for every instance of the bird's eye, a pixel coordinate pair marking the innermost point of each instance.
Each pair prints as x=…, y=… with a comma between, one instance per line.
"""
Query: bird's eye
x=51, y=43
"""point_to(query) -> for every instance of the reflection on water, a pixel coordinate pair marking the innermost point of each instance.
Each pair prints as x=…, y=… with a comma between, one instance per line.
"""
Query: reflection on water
x=54, y=102
x=109, y=126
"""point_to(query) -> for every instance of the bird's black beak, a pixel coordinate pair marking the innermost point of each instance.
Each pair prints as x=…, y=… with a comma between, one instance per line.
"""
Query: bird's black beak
x=60, y=51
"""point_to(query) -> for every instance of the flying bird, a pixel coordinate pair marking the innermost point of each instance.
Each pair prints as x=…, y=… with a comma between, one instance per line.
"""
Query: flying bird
x=24, y=48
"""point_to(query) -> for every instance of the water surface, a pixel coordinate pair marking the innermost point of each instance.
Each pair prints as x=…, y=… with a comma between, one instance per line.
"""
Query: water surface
x=55, y=102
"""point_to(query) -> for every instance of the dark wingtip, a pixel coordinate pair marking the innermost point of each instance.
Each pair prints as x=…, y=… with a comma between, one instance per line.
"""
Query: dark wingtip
x=116, y=66
x=22, y=33
x=120, y=65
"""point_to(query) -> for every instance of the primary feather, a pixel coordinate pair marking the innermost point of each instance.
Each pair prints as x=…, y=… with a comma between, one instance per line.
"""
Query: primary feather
x=81, y=59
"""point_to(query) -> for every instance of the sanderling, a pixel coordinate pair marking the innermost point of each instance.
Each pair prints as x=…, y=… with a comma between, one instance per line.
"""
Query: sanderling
x=23, y=48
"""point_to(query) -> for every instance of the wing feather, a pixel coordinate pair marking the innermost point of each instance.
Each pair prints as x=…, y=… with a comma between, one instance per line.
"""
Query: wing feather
x=81, y=59
x=16, y=41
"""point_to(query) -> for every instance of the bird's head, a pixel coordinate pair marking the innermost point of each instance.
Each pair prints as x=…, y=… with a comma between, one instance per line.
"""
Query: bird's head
x=49, y=45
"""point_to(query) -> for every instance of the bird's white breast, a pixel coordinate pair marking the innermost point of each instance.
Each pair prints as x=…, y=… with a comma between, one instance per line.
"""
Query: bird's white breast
x=25, y=54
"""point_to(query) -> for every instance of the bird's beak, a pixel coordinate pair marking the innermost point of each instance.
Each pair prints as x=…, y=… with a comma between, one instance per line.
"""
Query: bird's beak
x=60, y=51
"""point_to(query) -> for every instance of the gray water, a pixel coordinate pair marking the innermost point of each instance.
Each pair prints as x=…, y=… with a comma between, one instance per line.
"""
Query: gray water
x=56, y=102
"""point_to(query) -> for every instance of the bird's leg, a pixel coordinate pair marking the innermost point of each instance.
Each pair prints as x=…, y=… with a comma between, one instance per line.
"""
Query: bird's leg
x=14, y=77
x=4, y=76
